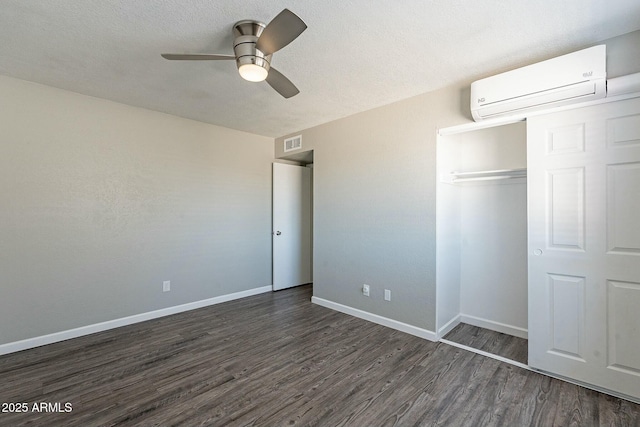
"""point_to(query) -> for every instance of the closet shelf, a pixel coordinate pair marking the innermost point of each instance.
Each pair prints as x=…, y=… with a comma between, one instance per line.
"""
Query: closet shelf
x=457, y=177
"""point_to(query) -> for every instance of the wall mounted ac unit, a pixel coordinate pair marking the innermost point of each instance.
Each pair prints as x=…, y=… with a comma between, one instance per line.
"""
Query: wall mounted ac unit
x=575, y=77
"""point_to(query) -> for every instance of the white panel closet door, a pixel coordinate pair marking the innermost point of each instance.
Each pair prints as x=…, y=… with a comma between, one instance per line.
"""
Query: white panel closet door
x=584, y=244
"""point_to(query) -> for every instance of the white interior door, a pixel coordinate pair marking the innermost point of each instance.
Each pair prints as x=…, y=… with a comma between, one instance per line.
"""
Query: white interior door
x=292, y=229
x=584, y=244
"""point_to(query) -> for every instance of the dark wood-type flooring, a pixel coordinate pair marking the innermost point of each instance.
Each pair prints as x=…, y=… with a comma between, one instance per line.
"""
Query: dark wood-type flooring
x=275, y=359
x=504, y=345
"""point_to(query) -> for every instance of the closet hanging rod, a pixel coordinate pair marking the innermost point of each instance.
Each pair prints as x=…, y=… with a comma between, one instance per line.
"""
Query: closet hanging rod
x=488, y=175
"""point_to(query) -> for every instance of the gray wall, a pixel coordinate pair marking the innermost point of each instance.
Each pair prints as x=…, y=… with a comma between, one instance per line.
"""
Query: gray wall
x=374, y=197
x=101, y=202
x=374, y=205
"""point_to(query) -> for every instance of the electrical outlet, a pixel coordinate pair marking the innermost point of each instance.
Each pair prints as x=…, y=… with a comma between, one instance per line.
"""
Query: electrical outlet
x=166, y=286
x=387, y=295
x=365, y=290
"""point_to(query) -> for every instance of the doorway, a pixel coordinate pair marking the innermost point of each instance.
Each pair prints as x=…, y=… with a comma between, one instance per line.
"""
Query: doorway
x=292, y=224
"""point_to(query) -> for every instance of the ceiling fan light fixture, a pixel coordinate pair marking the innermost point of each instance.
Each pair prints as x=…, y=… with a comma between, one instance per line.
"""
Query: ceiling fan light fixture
x=253, y=72
x=253, y=44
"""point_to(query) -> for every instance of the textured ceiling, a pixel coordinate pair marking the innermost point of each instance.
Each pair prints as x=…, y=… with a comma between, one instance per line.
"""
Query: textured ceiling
x=355, y=55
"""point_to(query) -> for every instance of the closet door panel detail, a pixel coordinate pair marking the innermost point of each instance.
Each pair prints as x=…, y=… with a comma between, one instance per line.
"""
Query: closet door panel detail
x=583, y=193
x=566, y=209
x=567, y=316
x=624, y=131
x=566, y=139
x=623, y=190
x=623, y=334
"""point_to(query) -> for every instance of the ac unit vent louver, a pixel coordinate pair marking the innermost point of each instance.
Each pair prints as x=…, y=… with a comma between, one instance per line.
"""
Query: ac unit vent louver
x=293, y=143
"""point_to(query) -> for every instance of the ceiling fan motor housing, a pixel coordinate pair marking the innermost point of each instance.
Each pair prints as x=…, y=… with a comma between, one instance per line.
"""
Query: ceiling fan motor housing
x=246, y=35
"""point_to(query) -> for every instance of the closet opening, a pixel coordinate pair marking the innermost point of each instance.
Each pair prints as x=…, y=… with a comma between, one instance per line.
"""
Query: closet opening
x=482, y=239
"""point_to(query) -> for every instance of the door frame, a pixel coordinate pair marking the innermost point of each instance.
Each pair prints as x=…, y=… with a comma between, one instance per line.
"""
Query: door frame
x=303, y=277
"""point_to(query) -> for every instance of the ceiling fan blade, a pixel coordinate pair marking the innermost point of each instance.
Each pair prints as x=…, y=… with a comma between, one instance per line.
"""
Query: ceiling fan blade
x=282, y=30
x=196, y=56
x=281, y=84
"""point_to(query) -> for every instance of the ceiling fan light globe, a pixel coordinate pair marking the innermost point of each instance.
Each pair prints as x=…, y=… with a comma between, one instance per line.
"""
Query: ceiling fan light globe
x=253, y=72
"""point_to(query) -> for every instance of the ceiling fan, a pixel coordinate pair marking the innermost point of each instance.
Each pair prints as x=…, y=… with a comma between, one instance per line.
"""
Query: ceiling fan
x=254, y=43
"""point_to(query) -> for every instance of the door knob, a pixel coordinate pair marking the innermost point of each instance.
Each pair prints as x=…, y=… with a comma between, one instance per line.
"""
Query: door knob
x=537, y=252
x=278, y=233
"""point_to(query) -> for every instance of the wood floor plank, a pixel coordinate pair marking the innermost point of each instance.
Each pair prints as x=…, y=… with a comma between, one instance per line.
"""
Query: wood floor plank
x=277, y=359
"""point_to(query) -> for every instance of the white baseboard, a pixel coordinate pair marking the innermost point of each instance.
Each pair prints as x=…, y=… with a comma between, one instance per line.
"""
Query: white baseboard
x=448, y=327
x=494, y=326
x=380, y=320
x=12, y=347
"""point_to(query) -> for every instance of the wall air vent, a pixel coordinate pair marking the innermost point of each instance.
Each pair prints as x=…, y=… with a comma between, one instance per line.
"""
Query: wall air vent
x=293, y=143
